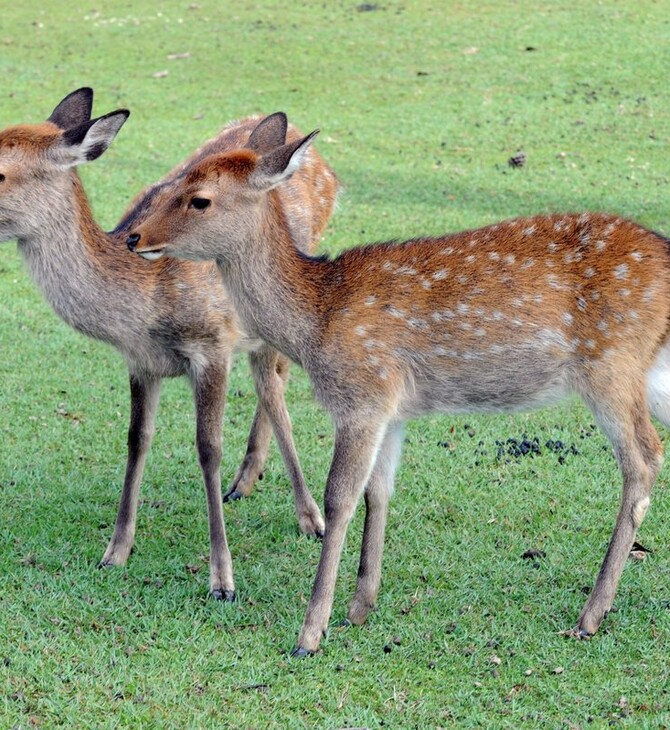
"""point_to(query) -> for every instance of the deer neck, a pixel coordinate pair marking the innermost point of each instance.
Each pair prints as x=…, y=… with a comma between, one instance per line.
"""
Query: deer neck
x=67, y=260
x=275, y=287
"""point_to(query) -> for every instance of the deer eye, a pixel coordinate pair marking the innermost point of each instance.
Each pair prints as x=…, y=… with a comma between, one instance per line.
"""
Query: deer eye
x=199, y=203
x=2, y=177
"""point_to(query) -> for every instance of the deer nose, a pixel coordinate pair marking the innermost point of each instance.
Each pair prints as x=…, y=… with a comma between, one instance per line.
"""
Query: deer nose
x=132, y=240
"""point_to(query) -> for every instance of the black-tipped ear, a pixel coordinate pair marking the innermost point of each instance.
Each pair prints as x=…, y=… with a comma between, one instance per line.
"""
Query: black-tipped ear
x=281, y=163
x=269, y=134
x=87, y=141
x=74, y=109
x=94, y=137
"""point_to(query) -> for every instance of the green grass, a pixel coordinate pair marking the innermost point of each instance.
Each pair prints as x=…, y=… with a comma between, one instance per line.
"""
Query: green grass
x=420, y=105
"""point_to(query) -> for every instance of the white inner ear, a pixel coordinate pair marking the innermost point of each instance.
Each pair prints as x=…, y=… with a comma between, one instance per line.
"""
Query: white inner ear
x=101, y=133
x=270, y=181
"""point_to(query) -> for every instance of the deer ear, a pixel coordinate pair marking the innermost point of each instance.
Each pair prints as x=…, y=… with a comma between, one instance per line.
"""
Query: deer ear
x=87, y=141
x=269, y=134
x=74, y=109
x=281, y=163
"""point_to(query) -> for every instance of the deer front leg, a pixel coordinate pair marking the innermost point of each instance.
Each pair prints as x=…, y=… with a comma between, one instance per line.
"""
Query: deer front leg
x=353, y=459
x=377, y=495
x=144, y=397
x=270, y=373
x=209, y=389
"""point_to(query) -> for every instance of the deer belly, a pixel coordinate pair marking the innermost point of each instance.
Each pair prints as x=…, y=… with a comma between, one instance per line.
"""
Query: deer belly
x=467, y=384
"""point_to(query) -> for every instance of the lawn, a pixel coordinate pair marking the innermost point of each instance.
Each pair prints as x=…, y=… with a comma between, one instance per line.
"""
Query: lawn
x=420, y=106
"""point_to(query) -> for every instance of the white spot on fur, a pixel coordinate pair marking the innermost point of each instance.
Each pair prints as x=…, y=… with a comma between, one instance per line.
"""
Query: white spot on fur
x=394, y=312
x=497, y=316
x=373, y=360
x=589, y=272
x=624, y=292
x=649, y=293
x=439, y=350
x=440, y=274
x=621, y=271
x=416, y=323
x=447, y=251
x=594, y=296
x=510, y=258
x=567, y=318
x=538, y=299
x=553, y=282
x=529, y=230
x=471, y=258
x=360, y=330
x=516, y=302
x=462, y=308
x=405, y=271
x=581, y=304
x=462, y=279
x=636, y=256
x=425, y=284
x=600, y=244
x=465, y=325
x=602, y=325
x=480, y=332
x=387, y=266
x=494, y=256
x=369, y=301
x=528, y=263
x=590, y=344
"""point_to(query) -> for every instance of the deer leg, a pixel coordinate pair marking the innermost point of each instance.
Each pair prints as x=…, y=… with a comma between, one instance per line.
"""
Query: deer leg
x=144, y=397
x=251, y=468
x=640, y=454
x=270, y=372
x=209, y=389
x=353, y=459
x=377, y=495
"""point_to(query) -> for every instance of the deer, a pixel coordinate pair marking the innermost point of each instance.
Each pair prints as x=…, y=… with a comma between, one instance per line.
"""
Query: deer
x=507, y=317
x=167, y=318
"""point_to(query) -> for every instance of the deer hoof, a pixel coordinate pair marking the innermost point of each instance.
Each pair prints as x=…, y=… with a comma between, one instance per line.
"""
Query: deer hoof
x=300, y=653
x=232, y=496
x=219, y=594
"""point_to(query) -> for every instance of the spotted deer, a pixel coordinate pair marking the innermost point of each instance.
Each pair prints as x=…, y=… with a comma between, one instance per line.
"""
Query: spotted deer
x=507, y=317
x=167, y=318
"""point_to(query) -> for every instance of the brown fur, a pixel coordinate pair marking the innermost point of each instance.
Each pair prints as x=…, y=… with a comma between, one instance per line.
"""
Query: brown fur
x=168, y=317
x=507, y=317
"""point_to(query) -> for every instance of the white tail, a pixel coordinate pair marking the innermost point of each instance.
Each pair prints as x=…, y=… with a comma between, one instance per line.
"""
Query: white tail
x=508, y=317
x=167, y=319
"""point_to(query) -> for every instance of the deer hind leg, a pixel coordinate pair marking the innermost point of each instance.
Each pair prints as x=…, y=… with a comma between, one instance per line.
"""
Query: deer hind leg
x=624, y=416
x=270, y=373
x=144, y=397
x=251, y=468
x=377, y=495
x=209, y=391
x=354, y=456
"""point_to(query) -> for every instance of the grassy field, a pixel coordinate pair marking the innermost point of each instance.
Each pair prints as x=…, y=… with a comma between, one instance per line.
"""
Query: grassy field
x=420, y=105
